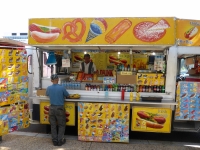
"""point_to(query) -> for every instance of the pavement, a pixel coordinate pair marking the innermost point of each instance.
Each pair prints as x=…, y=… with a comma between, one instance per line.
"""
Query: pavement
x=38, y=141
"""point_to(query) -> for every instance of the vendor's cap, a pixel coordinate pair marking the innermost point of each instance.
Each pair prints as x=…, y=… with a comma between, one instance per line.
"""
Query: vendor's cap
x=54, y=76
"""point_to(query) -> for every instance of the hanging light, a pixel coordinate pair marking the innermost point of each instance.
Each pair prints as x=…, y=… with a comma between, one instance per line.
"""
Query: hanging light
x=118, y=53
x=153, y=53
x=51, y=59
x=131, y=52
x=85, y=52
x=69, y=51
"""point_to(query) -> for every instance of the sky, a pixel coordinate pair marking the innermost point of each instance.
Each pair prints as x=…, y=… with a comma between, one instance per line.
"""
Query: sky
x=14, y=14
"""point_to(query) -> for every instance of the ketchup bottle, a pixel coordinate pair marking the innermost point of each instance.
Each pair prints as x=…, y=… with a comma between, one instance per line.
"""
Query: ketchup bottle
x=122, y=94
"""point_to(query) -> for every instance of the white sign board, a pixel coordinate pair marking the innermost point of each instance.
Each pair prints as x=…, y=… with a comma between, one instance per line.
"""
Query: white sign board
x=65, y=62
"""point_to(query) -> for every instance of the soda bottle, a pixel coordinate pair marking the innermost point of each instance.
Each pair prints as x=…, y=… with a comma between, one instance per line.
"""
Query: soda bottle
x=147, y=88
x=163, y=89
x=140, y=88
x=143, y=89
x=158, y=89
x=154, y=89
x=150, y=89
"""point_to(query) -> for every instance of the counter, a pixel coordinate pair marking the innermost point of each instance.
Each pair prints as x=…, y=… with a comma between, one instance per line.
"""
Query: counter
x=165, y=101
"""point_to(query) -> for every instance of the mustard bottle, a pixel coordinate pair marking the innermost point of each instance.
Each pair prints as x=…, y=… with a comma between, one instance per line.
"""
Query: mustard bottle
x=137, y=96
x=131, y=96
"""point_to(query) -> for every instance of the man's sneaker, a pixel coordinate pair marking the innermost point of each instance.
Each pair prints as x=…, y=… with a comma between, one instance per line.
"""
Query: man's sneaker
x=61, y=142
x=55, y=143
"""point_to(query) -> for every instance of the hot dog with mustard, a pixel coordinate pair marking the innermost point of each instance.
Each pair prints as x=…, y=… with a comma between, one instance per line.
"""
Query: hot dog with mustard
x=152, y=120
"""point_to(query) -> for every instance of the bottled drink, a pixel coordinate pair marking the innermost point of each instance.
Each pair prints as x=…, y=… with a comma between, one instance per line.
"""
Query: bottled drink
x=143, y=89
x=106, y=94
x=113, y=87
x=137, y=88
x=89, y=87
x=150, y=89
x=86, y=87
x=147, y=88
x=131, y=89
x=163, y=89
x=140, y=88
x=119, y=88
x=158, y=89
x=154, y=89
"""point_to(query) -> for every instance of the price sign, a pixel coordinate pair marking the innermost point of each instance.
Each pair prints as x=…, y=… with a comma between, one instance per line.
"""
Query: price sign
x=65, y=62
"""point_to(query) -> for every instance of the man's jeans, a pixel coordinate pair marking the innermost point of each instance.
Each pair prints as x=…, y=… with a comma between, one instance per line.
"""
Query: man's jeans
x=57, y=117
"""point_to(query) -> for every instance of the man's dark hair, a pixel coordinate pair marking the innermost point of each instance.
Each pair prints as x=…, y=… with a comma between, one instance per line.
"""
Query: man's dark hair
x=87, y=55
x=54, y=76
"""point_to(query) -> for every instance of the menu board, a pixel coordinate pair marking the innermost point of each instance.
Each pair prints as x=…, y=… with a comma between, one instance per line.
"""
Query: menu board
x=150, y=79
x=14, y=111
x=149, y=119
x=103, y=122
x=70, y=113
x=188, y=99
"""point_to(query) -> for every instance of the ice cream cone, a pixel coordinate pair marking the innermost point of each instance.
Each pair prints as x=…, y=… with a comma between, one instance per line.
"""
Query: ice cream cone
x=91, y=35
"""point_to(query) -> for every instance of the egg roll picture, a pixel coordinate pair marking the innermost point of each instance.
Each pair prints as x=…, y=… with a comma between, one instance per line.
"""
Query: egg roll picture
x=114, y=34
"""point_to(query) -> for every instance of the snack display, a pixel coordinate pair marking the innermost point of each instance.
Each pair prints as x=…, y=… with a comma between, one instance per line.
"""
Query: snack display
x=151, y=119
x=69, y=112
x=103, y=122
x=188, y=99
x=150, y=79
x=14, y=111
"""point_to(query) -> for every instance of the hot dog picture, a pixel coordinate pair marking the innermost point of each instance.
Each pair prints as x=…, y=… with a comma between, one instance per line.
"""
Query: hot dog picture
x=44, y=34
x=191, y=33
x=152, y=120
x=46, y=112
x=116, y=61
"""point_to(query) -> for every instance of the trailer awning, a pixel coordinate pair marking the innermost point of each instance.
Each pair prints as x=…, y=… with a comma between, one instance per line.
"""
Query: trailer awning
x=8, y=43
x=104, y=47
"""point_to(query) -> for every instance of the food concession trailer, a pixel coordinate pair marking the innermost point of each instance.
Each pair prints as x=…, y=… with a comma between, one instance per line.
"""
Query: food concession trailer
x=135, y=83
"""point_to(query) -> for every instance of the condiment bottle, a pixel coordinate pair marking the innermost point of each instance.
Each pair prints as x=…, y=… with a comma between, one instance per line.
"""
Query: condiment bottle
x=131, y=96
x=137, y=96
x=122, y=94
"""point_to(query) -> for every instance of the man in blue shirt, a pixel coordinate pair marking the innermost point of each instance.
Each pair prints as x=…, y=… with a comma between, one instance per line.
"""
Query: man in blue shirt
x=57, y=94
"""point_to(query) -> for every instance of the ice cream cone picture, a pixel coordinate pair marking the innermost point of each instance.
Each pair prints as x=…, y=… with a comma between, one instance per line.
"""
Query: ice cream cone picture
x=97, y=27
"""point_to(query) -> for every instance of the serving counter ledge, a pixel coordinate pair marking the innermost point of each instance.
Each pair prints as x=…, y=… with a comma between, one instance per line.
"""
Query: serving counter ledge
x=165, y=101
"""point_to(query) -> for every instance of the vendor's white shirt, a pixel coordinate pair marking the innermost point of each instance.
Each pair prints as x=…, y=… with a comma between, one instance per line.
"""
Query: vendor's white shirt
x=87, y=67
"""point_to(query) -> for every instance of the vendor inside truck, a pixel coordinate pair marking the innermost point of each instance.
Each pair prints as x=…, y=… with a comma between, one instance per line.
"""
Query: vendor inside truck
x=87, y=66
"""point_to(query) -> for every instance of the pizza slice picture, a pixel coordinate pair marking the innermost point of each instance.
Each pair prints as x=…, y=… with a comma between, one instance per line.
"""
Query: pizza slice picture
x=148, y=31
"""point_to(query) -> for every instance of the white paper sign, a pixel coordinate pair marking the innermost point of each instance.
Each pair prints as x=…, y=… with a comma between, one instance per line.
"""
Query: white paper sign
x=65, y=62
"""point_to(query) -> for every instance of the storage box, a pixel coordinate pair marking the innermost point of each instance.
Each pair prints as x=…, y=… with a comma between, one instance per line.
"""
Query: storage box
x=41, y=92
x=126, y=79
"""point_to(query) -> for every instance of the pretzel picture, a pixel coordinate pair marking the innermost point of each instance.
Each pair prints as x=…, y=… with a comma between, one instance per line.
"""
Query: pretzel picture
x=75, y=34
